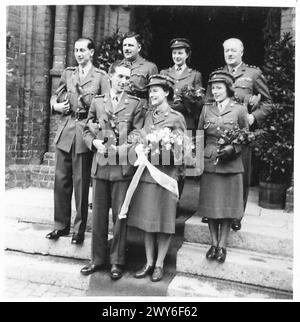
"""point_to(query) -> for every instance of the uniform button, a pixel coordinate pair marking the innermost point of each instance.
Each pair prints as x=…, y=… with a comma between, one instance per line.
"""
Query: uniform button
x=176, y=90
x=220, y=117
x=218, y=128
x=177, y=81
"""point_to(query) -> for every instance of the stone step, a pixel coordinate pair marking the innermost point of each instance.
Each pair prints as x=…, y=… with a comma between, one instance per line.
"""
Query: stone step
x=46, y=270
x=185, y=285
x=240, y=266
x=30, y=238
x=268, y=233
x=65, y=272
x=36, y=205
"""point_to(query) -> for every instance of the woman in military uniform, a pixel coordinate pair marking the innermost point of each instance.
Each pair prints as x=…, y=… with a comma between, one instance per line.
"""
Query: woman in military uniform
x=184, y=76
x=153, y=208
x=221, y=185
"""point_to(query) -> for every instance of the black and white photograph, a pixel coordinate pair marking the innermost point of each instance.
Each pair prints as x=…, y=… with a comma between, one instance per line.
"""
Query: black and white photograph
x=149, y=152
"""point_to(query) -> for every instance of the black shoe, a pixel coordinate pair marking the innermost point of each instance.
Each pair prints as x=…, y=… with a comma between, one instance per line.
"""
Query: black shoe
x=236, y=225
x=204, y=220
x=221, y=254
x=116, y=272
x=211, y=254
x=77, y=239
x=157, y=274
x=90, y=269
x=145, y=270
x=55, y=234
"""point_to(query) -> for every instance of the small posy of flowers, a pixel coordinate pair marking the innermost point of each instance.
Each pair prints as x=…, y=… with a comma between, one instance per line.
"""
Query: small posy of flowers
x=235, y=136
x=189, y=92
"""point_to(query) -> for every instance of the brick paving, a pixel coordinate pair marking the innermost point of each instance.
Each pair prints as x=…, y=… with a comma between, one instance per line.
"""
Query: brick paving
x=17, y=289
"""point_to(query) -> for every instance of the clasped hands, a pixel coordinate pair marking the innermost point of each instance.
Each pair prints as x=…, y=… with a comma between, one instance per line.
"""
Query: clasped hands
x=227, y=153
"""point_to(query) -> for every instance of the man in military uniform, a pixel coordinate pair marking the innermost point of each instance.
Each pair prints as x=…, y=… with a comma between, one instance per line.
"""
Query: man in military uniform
x=141, y=69
x=251, y=90
x=72, y=100
x=117, y=114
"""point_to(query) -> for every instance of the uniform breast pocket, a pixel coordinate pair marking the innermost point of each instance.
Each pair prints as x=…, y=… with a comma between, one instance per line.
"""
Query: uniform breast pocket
x=243, y=88
x=209, y=123
x=124, y=123
x=229, y=124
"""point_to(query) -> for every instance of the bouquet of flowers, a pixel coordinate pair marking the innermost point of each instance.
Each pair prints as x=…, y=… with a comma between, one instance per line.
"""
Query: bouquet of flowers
x=163, y=141
x=234, y=136
x=192, y=94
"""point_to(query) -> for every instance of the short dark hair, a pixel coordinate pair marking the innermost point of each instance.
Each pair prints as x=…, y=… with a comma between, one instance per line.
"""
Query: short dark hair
x=90, y=45
x=114, y=65
x=132, y=34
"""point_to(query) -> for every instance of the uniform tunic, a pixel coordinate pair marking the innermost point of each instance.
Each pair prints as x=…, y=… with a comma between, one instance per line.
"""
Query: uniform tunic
x=153, y=208
x=249, y=80
x=221, y=186
x=111, y=179
x=187, y=77
x=141, y=70
x=73, y=159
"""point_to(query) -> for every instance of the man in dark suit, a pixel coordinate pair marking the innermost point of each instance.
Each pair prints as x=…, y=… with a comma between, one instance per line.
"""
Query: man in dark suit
x=72, y=101
x=251, y=90
x=117, y=114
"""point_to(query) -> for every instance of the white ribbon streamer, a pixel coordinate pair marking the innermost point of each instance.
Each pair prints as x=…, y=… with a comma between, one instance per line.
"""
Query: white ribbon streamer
x=161, y=178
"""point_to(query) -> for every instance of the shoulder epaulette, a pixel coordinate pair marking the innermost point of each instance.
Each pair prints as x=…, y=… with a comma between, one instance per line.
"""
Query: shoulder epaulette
x=252, y=66
x=99, y=95
x=134, y=97
x=71, y=68
x=222, y=67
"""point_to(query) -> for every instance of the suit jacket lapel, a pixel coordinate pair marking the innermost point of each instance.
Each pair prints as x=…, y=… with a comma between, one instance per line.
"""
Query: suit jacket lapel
x=227, y=108
x=122, y=104
x=75, y=77
x=240, y=71
x=90, y=75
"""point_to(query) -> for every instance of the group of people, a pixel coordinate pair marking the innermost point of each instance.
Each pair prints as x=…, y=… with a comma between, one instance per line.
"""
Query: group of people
x=100, y=111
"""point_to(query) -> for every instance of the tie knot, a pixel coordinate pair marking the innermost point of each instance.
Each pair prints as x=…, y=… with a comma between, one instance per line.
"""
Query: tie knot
x=179, y=69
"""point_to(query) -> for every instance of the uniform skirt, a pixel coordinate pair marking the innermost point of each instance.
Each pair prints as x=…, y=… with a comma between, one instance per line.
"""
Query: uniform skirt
x=153, y=209
x=221, y=196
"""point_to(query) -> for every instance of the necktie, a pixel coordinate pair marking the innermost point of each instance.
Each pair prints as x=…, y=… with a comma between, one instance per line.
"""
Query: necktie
x=115, y=101
x=81, y=75
x=220, y=106
x=179, y=69
x=233, y=71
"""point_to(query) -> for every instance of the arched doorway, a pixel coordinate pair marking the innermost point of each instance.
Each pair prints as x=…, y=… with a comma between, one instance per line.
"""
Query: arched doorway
x=207, y=28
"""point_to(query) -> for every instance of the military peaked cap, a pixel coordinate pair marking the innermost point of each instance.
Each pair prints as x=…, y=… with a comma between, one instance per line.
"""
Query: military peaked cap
x=224, y=77
x=180, y=43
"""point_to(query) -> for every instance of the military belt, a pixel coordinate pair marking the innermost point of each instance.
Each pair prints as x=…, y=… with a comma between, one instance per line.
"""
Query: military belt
x=78, y=115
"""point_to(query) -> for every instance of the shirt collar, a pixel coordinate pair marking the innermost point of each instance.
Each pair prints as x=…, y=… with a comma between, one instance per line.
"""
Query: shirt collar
x=235, y=68
x=183, y=67
x=223, y=104
x=113, y=94
x=86, y=68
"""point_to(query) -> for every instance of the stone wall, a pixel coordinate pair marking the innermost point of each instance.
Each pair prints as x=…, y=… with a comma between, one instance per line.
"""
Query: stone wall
x=288, y=20
x=28, y=83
